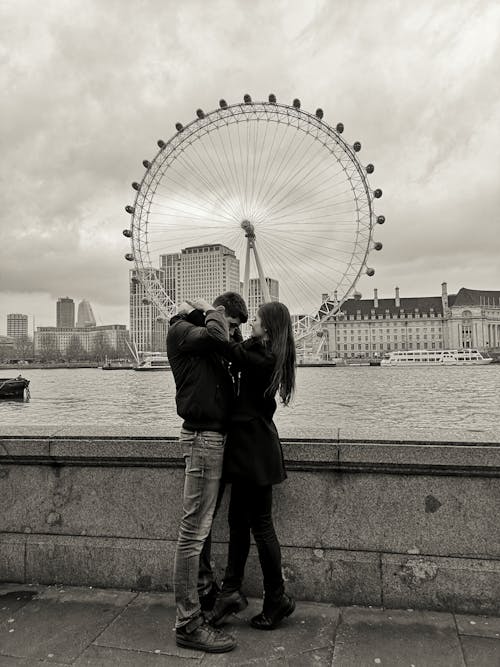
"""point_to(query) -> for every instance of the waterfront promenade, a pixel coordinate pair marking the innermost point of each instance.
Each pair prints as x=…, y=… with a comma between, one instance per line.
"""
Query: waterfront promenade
x=88, y=627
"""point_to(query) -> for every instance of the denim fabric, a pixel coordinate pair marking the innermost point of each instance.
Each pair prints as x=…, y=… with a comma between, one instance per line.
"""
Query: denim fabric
x=250, y=509
x=203, y=453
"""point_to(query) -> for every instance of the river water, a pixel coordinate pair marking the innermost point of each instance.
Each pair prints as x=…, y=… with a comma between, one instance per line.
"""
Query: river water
x=364, y=400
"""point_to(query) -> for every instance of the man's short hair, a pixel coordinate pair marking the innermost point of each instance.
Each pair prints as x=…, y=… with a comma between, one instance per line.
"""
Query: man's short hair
x=234, y=305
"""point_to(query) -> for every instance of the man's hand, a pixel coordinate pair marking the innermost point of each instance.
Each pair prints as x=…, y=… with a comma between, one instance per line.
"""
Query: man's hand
x=185, y=308
x=200, y=304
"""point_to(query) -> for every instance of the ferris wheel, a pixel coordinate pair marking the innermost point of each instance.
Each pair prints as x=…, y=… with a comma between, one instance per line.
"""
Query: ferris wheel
x=275, y=185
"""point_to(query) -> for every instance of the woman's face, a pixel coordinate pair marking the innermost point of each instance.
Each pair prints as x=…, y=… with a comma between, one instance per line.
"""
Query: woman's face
x=257, y=329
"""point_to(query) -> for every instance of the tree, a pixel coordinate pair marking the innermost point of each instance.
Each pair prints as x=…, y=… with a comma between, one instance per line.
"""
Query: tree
x=24, y=347
x=49, y=350
x=101, y=347
x=75, y=350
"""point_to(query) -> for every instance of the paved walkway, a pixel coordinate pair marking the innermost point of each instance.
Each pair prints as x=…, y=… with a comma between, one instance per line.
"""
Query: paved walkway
x=42, y=625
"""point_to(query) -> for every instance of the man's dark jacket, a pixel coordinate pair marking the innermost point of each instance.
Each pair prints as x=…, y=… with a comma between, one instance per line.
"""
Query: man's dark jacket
x=204, y=387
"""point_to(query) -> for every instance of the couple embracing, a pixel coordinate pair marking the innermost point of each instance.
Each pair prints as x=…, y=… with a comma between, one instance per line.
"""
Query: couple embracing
x=225, y=393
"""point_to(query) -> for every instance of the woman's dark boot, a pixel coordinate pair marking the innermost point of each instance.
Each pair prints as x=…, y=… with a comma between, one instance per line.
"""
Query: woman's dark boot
x=274, y=614
x=225, y=605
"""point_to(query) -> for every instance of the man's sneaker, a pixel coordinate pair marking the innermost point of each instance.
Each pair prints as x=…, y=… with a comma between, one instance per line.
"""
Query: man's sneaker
x=207, y=600
x=225, y=605
x=204, y=638
x=272, y=618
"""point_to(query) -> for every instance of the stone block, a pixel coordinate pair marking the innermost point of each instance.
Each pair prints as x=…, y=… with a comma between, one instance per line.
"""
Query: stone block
x=393, y=638
x=479, y=626
x=481, y=652
x=12, y=550
x=106, y=562
x=454, y=584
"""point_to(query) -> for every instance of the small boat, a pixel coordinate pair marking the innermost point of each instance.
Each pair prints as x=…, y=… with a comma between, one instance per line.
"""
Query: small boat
x=465, y=357
x=152, y=361
x=14, y=388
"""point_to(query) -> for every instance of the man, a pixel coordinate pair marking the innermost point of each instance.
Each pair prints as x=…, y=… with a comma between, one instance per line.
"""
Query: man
x=204, y=398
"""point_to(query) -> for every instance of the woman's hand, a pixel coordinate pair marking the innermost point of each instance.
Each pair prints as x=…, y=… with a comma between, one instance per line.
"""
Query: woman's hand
x=185, y=308
x=200, y=304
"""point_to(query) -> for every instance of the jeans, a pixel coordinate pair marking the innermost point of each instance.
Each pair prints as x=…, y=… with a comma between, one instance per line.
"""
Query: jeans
x=203, y=454
x=250, y=509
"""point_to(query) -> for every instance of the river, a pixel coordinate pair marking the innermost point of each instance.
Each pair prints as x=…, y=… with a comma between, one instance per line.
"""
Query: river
x=355, y=400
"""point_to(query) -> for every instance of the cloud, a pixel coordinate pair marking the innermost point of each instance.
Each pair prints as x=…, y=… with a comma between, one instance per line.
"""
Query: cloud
x=90, y=87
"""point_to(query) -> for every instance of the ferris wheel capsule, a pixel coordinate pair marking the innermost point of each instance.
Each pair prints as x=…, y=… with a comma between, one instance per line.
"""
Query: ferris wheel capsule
x=377, y=245
x=136, y=185
x=200, y=113
x=127, y=233
x=130, y=209
x=370, y=271
x=247, y=99
x=146, y=163
x=370, y=168
x=340, y=127
x=161, y=143
x=179, y=127
x=296, y=103
x=129, y=257
x=357, y=146
x=377, y=193
x=380, y=219
x=146, y=302
x=272, y=98
x=223, y=104
x=319, y=113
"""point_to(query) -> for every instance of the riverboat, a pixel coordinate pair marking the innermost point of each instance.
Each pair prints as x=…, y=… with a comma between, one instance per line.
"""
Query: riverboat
x=14, y=388
x=465, y=357
x=152, y=361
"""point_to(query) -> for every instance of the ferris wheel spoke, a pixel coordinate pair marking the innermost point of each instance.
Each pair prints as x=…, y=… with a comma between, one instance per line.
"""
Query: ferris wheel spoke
x=271, y=156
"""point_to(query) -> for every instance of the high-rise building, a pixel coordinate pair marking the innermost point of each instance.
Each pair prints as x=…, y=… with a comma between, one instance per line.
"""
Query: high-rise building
x=148, y=326
x=85, y=315
x=17, y=325
x=65, y=310
x=171, y=267
x=256, y=297
x=207, y=271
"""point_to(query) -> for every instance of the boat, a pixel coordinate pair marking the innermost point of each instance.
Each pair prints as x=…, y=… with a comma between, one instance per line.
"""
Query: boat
x=117, y=365
x=152, y=361
x=465, y=357
x=14, y=388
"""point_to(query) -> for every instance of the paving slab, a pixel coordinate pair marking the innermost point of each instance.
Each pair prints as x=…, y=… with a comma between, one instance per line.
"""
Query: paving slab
x=480, y=626
x=481, y=651
x=148, y=624
x=305, y=638
x=102, y=656
x=13, y=597
x=396, y=638
x=41, y=628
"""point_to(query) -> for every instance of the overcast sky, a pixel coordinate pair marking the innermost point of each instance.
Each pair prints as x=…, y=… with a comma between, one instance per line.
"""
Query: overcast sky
x=90, y=85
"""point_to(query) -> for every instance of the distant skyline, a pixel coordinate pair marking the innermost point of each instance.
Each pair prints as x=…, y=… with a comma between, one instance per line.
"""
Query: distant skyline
x=90, y=86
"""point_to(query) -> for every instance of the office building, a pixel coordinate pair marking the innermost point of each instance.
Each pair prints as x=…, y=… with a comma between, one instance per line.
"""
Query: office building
x=85, y=316
x=207, y=271
x=148, y=325
x=17, y=325
x=65, y=312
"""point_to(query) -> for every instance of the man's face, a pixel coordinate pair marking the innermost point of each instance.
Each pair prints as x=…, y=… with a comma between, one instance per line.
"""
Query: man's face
x=233, y=323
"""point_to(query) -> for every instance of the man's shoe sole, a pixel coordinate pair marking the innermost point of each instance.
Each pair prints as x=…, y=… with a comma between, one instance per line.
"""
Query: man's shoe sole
x=288, y=612
x=202, y=647
x=233, y=609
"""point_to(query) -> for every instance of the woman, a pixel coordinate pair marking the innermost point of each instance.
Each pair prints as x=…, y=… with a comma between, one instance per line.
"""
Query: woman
x=263, y=366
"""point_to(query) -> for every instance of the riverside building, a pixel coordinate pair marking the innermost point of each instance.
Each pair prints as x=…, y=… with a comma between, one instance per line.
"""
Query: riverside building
x=17, y=325
x=65, y=312
x=50, y=341
x=148, y=326
x=368, y=328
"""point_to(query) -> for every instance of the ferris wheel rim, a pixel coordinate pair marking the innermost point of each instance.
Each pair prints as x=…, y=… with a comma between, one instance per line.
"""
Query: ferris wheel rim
x=239, y=113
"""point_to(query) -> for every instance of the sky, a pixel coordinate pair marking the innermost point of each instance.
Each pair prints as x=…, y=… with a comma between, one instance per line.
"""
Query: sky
x=89, y=86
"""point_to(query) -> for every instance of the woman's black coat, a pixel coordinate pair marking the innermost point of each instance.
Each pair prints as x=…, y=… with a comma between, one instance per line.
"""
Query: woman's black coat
x=253, y=450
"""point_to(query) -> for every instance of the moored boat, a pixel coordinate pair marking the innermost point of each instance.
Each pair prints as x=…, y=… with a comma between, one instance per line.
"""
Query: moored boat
x=153, y=361
x=14, y=388
x=464, y=357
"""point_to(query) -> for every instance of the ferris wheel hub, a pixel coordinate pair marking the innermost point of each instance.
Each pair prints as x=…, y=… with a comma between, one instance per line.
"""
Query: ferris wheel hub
x=248, y=228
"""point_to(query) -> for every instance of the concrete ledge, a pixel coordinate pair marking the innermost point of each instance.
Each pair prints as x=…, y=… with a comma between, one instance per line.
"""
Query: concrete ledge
x=361, y=521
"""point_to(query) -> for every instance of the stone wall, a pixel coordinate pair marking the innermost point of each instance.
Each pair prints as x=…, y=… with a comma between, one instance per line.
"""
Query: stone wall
x=361, y=521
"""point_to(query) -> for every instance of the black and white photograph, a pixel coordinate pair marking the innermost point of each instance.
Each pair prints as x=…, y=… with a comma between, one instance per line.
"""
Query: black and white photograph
x=250, y=333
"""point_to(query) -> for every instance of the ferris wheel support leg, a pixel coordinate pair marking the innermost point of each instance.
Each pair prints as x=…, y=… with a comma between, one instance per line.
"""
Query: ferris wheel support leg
x=246, y=280
x=262, y=279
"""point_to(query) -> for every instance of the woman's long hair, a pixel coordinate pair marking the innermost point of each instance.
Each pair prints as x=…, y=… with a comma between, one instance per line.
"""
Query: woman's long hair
x=277, y=323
